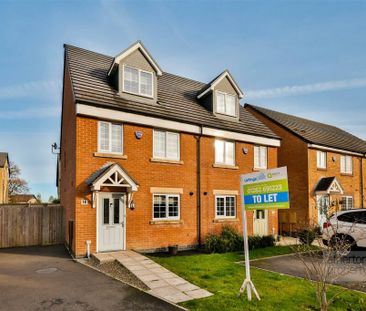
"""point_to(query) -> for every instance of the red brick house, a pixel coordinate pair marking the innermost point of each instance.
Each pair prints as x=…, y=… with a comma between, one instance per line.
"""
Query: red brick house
x=150, y=159
x=326, y=167
x=4, y=177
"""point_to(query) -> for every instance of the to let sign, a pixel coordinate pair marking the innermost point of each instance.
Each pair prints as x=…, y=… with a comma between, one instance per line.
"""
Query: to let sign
x=266, y=189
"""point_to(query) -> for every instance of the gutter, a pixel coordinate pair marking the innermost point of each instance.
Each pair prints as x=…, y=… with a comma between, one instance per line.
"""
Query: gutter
x=198, y=139
x=362, y=183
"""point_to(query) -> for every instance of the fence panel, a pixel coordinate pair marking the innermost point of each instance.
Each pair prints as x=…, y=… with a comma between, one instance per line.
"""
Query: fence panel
x=26, y=225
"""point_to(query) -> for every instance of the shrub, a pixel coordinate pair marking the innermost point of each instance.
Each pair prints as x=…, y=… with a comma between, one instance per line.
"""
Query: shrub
x=213, y=244
x=307, y=236
x=230, y=240
x=261, y=241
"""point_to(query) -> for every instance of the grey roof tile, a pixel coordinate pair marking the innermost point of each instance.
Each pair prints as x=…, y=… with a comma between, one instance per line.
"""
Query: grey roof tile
x=324, y=184
x=315, y=132
x=176, y=95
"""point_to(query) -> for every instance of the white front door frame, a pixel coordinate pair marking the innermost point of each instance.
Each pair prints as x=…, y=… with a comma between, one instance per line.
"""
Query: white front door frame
x=322, y=210
x=263, y=222
x=98, y=196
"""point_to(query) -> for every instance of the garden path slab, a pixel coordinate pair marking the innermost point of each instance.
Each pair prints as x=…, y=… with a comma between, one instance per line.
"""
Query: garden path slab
x=162, y=282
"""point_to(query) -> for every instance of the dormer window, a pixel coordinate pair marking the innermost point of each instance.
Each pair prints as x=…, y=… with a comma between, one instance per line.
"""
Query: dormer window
x=221, y=97
x=226, y=104
x=137, y=81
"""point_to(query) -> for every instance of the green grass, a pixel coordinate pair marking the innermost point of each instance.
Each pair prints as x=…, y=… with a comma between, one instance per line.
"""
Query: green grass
x=219, y=274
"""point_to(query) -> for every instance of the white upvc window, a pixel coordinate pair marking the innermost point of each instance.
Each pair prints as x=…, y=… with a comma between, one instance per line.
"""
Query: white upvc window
x=260, y=157
x=166, y=145
x=110, y=137
x=226, y=104
x=166, y=206
x=137, y=81
x=347, y=202
x=321, y=159
x=225, y=206
x=346, y=164
x=224, y=152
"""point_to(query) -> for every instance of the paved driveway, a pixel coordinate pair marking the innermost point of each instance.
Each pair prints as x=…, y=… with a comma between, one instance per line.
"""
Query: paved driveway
x=352, y=272
x=45, y=278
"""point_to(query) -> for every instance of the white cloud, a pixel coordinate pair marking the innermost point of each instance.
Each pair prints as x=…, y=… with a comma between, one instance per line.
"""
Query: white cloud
x=307, y=88
x=31, y=89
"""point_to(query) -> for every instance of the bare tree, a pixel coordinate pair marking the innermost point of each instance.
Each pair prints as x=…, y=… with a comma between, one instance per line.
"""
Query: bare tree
x=39, y=198
x=325, y=264
x=17, y=185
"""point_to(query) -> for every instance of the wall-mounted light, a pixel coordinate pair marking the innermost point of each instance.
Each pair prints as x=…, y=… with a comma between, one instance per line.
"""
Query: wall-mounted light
x=245, y=150
x=138, y=134
x=55, y=149
x=334, y=158
x=132, y=205
x=191, y=193
x=205, y=193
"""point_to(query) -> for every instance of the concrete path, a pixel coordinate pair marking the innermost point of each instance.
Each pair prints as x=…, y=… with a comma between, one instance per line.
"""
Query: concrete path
x=46, y=278
x=288, y=241
x=161, y=281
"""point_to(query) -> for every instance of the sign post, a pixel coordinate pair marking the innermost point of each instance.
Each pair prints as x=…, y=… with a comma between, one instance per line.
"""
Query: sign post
x=266, y=189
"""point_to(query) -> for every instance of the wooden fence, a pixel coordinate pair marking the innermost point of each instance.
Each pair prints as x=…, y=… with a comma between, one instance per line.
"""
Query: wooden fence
x=26, y=225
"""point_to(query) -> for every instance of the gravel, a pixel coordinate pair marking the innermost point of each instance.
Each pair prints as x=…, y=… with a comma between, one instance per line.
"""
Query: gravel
x=118, y=271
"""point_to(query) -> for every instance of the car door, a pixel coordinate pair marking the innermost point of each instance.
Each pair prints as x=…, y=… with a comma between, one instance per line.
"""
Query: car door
x=360, y=228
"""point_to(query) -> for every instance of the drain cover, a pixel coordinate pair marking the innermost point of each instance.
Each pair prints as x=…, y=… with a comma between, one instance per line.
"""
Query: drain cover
x=47, y=270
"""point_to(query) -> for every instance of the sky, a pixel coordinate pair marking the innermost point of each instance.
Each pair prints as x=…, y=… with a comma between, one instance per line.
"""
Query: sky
x=306, y=58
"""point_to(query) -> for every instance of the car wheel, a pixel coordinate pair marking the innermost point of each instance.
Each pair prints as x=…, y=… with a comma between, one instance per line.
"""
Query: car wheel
x=341, y=245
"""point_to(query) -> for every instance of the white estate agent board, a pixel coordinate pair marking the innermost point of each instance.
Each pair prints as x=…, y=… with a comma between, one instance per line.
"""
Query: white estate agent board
x=267, y=189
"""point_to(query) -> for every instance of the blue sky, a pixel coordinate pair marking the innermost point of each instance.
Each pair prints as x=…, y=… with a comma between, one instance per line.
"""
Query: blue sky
x=305, y=58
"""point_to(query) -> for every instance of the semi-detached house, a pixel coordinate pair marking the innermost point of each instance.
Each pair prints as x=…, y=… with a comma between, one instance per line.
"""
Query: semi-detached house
x=326, y=167
x=150, y=159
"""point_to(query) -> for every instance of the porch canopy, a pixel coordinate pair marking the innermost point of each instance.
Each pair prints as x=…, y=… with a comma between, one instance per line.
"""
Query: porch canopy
x=328, y=185
x=112, y=175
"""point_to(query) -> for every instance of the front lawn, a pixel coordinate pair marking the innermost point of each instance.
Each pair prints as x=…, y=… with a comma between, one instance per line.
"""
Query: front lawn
x=219, y=274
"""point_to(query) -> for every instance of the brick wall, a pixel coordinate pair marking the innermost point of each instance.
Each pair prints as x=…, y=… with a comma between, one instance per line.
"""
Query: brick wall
x=293, y=154
x=68, y=154
x=4, y=184
x=350, y=183
x=140, y=234
x=303, y=177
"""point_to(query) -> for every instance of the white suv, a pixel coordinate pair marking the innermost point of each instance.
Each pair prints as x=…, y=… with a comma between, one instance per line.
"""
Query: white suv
x=348, y=226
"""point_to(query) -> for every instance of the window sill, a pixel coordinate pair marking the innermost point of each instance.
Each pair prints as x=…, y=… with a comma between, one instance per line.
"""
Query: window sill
x=166, y=161
x=220, y=220
x=110, y=155
x=166, y=222
x=137, y=94
x=258, y=169
x=232, y=167
x=347, y=174
x=321, y=169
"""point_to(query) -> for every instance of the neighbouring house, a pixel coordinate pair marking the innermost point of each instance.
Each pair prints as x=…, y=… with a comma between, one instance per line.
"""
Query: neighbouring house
x=4, y=177
x=24, y=199
x=150, y=159
x=326, y=167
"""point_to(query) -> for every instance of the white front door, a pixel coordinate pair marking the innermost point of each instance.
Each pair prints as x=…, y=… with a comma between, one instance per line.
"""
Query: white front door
x=111, y=221
x=323, y=206
x=260, y=225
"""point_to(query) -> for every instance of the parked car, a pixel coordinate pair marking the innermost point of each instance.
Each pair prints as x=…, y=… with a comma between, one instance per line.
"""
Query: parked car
x=347, y=228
